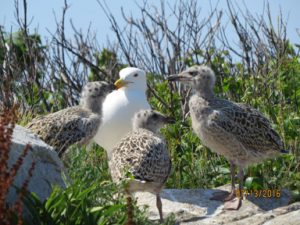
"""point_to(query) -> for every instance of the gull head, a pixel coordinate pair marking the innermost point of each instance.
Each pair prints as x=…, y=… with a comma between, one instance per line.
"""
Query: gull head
x=202, y=78
x=151, y=120
x=94, y=93
x=133, y=78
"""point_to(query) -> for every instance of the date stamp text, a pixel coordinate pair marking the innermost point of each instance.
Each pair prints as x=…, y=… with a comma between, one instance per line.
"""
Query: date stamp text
x=264, y=193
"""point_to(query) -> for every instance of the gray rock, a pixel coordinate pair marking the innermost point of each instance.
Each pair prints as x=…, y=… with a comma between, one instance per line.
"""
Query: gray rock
x=48, y=167
x=193, y=206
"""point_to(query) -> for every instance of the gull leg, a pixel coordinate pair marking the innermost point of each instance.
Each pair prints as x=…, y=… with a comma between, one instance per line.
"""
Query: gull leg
x=223, y=195
x=129, y=210
x=236, y=201
x=241, y=183
x=232, y=175
x=159, y=207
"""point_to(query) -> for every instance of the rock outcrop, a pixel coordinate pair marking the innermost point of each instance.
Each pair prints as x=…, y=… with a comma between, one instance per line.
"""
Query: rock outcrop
x=48, y=169
x=193, y=206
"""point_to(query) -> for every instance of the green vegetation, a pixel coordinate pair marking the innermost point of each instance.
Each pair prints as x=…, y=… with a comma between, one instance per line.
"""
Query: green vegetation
x=90, y=197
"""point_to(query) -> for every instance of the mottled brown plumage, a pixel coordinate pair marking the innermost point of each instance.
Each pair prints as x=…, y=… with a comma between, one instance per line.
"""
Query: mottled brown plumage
x=143, y=154
x=76, y=124
x=240, y=133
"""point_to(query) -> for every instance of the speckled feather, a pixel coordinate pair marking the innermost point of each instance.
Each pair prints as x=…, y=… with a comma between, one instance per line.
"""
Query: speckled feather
x=144, y=155
x=142, y=159
x=239, y=132
x=66, y=127
x=77, y=124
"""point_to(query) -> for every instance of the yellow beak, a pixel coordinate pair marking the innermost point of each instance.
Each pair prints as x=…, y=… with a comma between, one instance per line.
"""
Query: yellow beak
x=121, y=83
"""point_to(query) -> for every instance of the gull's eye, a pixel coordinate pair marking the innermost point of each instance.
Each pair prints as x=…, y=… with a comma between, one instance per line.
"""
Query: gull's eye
x=193, y=73
x=136, y=75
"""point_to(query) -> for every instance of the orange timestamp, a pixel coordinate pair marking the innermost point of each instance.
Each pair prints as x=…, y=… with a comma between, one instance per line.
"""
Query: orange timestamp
x=264, y=193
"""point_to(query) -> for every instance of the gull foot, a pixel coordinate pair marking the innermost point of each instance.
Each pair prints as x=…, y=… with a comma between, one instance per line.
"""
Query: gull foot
x=233, y=204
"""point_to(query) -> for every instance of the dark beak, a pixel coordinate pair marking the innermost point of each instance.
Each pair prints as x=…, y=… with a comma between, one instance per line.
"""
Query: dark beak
x=170, y=120
x=180, y=77
x=173, y=77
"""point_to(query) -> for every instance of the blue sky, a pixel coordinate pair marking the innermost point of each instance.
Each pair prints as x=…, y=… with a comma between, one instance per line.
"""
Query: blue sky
x=84, y=13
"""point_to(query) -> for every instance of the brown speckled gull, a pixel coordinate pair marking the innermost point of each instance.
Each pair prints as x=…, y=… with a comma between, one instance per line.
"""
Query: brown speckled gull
x=144, y=155
x=238, y=132
x=76, y=124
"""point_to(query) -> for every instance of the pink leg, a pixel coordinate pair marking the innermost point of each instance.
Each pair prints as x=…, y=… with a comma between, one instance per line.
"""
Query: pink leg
x=223, y=195
x=236, y=202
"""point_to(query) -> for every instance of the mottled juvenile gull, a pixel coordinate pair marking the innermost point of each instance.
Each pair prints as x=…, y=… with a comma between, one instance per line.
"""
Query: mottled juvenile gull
x=77, y=124
x=143, y=154
x=238, y=132
x=120, y=106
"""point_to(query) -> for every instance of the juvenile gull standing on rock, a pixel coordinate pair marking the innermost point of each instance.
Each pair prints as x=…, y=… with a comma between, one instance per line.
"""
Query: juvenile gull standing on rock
x=77, y=124
x=238, y=132
x=144, y=154
x=120, y=106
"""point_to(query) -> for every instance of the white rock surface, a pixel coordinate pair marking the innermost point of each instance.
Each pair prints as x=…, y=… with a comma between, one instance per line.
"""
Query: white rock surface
x=193, y=206
x=48, y=167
